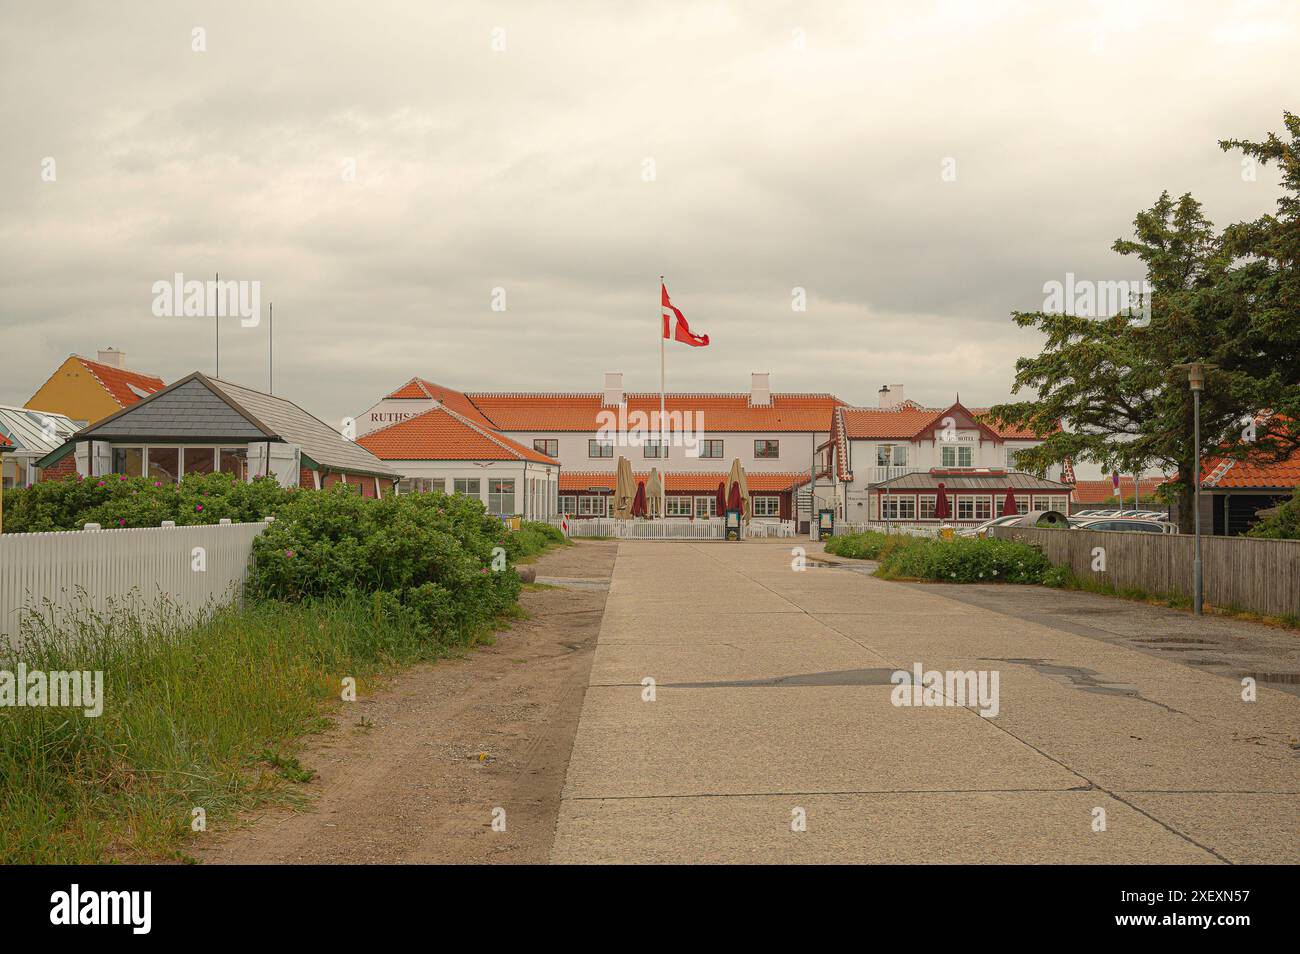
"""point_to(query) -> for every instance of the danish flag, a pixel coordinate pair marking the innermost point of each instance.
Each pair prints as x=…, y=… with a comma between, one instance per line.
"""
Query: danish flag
x=675, y=326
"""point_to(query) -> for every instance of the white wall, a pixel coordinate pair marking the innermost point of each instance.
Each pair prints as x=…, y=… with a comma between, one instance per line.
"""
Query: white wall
x=444, y=472
x=795, y=452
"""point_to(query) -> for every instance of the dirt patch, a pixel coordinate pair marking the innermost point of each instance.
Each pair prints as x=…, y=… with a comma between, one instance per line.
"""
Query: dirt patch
x=414, y=773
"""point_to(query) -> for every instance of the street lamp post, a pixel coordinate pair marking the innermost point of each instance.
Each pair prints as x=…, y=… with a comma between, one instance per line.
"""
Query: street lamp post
x=1196, y=378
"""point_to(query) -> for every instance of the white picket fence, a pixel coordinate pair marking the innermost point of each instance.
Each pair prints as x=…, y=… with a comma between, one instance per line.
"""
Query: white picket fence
x=710, y=529
x=57, y=574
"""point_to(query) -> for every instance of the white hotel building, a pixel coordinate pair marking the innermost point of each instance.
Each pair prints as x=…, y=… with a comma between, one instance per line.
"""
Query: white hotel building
x=541, y=454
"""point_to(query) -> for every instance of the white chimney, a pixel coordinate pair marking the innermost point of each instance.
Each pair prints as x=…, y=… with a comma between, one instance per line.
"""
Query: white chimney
x=112, y=357
x=613, y=388
x=760, y=391
x=891, y=395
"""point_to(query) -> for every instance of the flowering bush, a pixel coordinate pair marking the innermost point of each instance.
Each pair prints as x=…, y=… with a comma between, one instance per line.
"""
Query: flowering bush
x=117, y=501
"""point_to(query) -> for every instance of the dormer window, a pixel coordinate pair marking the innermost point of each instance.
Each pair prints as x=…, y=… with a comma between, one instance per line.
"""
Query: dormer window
x=957, y=455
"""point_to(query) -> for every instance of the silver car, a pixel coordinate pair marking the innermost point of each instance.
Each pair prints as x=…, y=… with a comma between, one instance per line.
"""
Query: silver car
x=1130, y=524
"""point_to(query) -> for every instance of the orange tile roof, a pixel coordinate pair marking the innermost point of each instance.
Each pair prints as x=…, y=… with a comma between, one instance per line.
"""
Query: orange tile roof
x=420, y=389
x=682, y=482
x=722, y=412
x=5, y=442
x=441, y=433
x=1100, y=491
x=1255, y=471
x=910, y=419
x=118, y=381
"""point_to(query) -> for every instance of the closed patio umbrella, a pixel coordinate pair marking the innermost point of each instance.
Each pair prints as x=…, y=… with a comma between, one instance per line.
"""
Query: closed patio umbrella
x=638, y=502
x=736, y=478
x=722, y=498
x=733, y=498
x=624, y=490
x=654, y=492
x=941, y=511
x=1009, y=505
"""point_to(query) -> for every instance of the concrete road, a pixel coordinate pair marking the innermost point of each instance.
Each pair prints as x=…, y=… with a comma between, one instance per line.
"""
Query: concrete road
x=773, y=734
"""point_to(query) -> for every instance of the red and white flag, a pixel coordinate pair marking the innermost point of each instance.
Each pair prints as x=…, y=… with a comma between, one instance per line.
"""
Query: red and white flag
x=675, y=326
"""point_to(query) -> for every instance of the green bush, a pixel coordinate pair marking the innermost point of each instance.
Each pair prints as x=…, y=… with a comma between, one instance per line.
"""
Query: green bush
x=1283, y=525
x=857, y=546
x=441, y=558
x=116, y=501
x=964, y=560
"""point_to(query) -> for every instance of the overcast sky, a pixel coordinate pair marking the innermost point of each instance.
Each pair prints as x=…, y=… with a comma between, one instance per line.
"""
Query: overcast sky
x=793, y=145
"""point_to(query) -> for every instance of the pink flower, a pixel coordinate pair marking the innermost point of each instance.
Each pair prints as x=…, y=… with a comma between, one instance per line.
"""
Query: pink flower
x=288, y=553
x=121, y=521
x=198, y=508
x=100, y=484
x=121, y=478
x=157, y=483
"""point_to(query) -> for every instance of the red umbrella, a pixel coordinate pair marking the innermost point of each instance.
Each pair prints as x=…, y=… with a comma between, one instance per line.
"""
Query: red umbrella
x=638, y=502
x=941, y=511
x=733, y=499
x=722, y=498
x=1009, y=505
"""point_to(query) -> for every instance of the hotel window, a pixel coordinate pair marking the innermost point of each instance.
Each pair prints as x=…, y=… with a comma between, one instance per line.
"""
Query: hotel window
x=233, y=460
x=591, y=506
x=927, y=503
x=957, y=455
x=465, y=485
x=597, y=448
x=983, y=508
x=569, y=504
x=898, y=508
x=767, y=506
x=129, y=461
x=653, y=449
x=549, y=446
x=706, y=507
x=891, y=455
x=1043, y=502
x=767, y=450
x=711, y=449
x=501, y=497
x=164, y=463
x=677, y=506
x=965, y=508
x=1012, y=454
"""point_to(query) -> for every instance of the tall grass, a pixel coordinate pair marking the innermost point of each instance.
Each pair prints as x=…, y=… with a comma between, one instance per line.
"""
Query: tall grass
x=197, y=714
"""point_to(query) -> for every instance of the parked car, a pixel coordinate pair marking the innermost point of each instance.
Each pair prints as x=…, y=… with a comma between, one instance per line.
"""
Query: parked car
x=1130, y=524
x=982, y=530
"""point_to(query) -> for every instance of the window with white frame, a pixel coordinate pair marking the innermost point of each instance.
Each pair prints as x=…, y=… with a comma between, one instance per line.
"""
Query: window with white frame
x=957, y=455
x=896, y=507
x=926, y=504
x=569, y=504
x=983, y=508
x=468, y=486
x=591, y=505
x=706, y=507
x=501, y=496
x=965, y=508
x=678, y=506
x=767, y=449
x=767, y=506
x=1049, y=502
x=891, y=455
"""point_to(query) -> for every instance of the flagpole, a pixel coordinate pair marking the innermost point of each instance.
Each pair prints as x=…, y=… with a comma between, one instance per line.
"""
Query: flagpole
x=663, y=442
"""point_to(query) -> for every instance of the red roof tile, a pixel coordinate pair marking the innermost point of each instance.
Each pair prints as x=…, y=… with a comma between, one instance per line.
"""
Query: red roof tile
x=910, y=419
x=422, y=390
x=678, y=482
x=118, y=382
x=721, y=412
x=1256, y=471
x=441, y=433
x=1100, y=491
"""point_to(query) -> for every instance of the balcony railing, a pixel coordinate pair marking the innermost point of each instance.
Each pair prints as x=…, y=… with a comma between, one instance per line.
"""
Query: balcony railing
x=896, y=470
